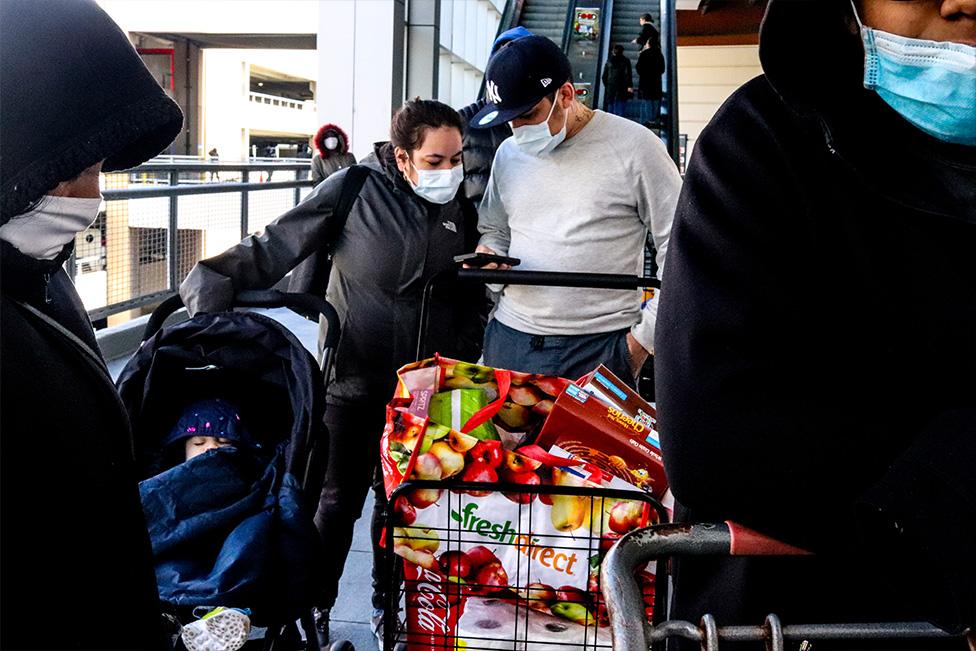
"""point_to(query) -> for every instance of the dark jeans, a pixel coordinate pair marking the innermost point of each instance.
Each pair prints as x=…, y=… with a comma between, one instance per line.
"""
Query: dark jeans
x=354, y=451
x=568, y=356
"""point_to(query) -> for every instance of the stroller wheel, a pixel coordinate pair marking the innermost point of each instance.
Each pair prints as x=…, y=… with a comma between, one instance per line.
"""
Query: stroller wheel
x=342, y=645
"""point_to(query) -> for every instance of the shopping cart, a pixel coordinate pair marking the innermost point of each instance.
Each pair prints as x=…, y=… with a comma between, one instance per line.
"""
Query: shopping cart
x=656, y=543
x=483, y=613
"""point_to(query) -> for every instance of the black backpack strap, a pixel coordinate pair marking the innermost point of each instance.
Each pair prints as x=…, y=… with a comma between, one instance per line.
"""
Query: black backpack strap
x=352, y=184
x=312, y=275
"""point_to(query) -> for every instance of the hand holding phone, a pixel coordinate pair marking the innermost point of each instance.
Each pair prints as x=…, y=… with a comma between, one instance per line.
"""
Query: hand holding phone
x=484, y=259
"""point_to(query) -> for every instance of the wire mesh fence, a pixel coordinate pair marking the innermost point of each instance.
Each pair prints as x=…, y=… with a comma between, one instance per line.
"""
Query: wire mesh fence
x=160, y=219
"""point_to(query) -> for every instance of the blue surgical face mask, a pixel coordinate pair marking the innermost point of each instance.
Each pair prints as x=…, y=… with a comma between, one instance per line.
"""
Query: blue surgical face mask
x=535, y=139
x=932, y=84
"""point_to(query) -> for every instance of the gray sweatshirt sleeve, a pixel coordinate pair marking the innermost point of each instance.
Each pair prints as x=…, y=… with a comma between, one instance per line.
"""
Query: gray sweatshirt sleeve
x=493, y=218
x=658, y=187
x=260, y=261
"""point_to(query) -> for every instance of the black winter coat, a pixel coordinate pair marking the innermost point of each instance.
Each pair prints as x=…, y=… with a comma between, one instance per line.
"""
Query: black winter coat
x=617, y=78
x=480, y=146
x=75, y=545
x=650, y=67
x=649, y=33
x=816, y=345
x=392, y=244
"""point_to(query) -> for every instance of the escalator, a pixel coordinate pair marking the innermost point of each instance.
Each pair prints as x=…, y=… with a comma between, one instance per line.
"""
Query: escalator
x=545, y=18
x=587, y=29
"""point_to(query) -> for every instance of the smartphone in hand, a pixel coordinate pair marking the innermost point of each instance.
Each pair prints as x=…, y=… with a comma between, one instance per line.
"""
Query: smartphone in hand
x=479, y=260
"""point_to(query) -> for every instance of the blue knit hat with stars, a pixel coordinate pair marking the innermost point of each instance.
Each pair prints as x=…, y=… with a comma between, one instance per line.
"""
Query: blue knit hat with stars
x=214, y=417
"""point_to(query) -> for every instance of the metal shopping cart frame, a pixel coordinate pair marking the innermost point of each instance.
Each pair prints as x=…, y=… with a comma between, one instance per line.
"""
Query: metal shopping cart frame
x=394, y=629
x=455, y=492
x=631, y=633
x=528, y=278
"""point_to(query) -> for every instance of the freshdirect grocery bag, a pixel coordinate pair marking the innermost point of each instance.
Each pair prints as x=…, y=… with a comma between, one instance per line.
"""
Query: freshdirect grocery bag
x=542, y=549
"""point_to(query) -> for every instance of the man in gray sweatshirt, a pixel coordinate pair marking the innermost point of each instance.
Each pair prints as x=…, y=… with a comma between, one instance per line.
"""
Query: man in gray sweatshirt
x=572, y=190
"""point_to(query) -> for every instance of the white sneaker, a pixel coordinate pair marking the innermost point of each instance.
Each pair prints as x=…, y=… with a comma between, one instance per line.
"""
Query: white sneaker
x=222, y=629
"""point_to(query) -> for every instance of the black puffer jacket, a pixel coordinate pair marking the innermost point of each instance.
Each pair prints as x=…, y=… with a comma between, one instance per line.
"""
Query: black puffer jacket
x=480, y=146
x=75, y=533
x=392, y=244
x=816, y=344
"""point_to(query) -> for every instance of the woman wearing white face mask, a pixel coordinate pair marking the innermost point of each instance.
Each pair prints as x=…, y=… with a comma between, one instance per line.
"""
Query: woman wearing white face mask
x=74, y=533
x=816, y=334
x=331, y=152
x=406, y=224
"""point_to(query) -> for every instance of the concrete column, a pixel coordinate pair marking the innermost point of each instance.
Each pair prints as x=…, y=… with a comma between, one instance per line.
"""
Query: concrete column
x=447, y=23
x=423, y=48
x=361, y=67
x=444, y=81
x=187, y=80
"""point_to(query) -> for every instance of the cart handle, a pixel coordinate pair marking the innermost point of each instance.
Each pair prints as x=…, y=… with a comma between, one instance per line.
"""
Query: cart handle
x=631, y=631
x=533, y=278
x=743, y=541
x=306, y=305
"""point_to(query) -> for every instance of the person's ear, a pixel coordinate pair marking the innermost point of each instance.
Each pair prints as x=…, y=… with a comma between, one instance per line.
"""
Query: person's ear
x=402, y=158
x=567, y=94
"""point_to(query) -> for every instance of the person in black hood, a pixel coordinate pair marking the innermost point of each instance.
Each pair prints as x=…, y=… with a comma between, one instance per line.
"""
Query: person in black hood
x=480, y=145
x=74, y=536
x=406, y=225
x=618, y=80
x=815, y=375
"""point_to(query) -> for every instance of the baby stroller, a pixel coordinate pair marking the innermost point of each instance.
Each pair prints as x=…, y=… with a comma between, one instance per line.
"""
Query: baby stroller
x=258, y=549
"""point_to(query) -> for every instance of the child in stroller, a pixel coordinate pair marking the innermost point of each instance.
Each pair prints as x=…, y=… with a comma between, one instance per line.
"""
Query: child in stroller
x=231, y=527
x=205, y=425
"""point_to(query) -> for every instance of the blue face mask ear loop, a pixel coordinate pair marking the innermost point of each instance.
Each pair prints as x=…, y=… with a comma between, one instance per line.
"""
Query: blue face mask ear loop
x=870, y=53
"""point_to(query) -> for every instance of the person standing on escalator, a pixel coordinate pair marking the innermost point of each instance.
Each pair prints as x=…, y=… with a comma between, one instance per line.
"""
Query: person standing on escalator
x=618, y=81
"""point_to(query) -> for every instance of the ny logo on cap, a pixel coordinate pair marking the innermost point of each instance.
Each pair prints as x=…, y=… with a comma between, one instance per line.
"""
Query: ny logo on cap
x=491, y=90
x=545, y=82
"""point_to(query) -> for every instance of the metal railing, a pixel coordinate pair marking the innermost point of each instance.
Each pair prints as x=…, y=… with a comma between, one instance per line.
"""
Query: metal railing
x=160, y=218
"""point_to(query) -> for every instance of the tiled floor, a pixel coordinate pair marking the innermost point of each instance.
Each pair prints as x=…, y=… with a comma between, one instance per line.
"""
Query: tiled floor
x=351, y=616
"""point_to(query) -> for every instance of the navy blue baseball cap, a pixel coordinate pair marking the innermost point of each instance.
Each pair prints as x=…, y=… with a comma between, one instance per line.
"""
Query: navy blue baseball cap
x=518, y=77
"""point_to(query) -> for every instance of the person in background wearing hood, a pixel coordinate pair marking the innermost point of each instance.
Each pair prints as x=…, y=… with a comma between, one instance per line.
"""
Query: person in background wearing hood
x=618, y=81
x=817, y=334
x=407, y=224
x=480, y=145
x=332, y=152
x=74, y=537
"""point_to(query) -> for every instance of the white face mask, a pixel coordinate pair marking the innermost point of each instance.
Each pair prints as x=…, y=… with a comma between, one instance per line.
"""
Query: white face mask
x=437, y=186
x=43, y=232
x=535, y=139
x=331, y=142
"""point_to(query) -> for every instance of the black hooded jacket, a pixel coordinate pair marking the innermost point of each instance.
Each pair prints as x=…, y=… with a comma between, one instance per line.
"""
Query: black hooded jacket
x=393, y=242
x=74, y=529
x=816, y=345
x=618, y=77
x=480, y=146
